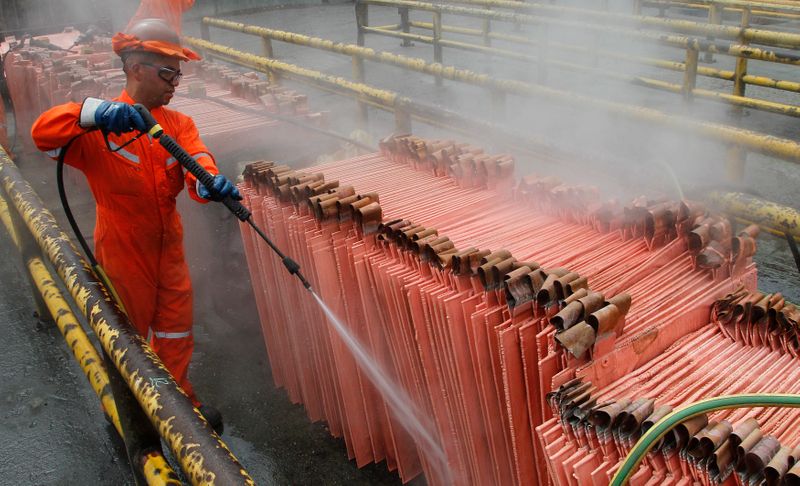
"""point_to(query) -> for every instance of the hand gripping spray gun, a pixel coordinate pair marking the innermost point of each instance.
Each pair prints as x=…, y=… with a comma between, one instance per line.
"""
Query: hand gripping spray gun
x=190, y=164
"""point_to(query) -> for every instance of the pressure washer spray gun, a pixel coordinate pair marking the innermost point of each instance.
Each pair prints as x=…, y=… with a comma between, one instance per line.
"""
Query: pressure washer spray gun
x=205, y=178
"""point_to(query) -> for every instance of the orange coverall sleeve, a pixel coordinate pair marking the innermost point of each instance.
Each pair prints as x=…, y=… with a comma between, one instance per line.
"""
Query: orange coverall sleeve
x=189, y=139
x=55, y=128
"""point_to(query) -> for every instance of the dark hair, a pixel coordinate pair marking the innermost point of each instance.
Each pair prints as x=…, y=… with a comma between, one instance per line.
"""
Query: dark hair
x=125, y=55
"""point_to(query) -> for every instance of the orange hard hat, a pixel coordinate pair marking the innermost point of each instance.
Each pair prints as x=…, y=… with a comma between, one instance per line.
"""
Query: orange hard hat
x=155, y=36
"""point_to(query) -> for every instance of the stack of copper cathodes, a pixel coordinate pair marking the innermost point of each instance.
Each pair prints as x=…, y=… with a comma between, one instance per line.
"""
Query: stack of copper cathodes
x=493, y=302
x=750, y=346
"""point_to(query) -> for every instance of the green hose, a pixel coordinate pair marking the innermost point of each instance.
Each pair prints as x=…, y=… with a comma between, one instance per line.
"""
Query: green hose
x=666, y=424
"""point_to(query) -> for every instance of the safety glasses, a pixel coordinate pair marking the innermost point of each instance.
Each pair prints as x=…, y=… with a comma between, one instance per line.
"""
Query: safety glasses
x=172, y=76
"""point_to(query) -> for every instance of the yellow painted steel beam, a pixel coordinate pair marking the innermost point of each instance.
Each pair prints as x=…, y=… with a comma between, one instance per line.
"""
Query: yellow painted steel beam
x=400, y=35
x=203, y=456
x=476, y=32
x=757, y=142
x=157, y=470
x=771, y=215
x=82, y=349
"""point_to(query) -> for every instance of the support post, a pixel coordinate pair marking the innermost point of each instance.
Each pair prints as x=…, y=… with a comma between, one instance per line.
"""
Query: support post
x=266, y=47
x=405, y=26
x=437, y=46
x=205, y=31
x=486, y=29
x=737, y=157
x=362, y=20
x=714, y=18
x=690, y=75
x=741, y=62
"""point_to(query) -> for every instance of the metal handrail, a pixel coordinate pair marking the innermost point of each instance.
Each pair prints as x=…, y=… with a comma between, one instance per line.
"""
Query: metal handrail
x=756, y=9
x=554, y=14
x=753, y=141
x=622, y=24
x=692, y=46
x=360, y=53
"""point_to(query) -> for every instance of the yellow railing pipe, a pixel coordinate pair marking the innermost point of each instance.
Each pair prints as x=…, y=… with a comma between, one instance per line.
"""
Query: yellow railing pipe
x=82, y=348
x=758, y=36
x=674, y=40
x=471, y=77
x=779, y=10
x=200, y=452
x=5, y=217
x=157, y=470
x=762, y=81
x=742, y=101
x=700, y=6
x=757, y=142
x=765, y=213
x=264, y=64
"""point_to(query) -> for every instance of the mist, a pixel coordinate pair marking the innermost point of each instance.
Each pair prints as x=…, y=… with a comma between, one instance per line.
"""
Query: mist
x=571, y=138
x=622, y=153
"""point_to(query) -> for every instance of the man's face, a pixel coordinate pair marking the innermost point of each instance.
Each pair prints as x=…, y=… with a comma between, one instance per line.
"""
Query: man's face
x=157, y=76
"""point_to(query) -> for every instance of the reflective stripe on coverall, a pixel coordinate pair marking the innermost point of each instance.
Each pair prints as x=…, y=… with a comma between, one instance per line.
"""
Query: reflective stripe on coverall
x=138, y=232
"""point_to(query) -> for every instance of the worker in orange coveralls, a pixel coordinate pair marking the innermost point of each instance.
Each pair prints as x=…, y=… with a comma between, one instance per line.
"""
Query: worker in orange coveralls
x=138, y=233
x=169, y=10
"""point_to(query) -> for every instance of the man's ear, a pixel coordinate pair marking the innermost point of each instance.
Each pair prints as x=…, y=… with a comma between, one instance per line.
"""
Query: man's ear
x=135, y=71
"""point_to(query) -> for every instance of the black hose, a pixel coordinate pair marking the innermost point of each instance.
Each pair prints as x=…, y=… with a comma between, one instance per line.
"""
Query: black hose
x=285, y=119
x=62, y=194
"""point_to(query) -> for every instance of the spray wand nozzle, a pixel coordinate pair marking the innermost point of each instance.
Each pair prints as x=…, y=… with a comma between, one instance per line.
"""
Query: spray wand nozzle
x=294, y=268
x=189, y=163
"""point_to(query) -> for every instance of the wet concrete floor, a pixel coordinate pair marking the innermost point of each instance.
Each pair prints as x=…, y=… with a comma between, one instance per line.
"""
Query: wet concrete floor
x=52, y=430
